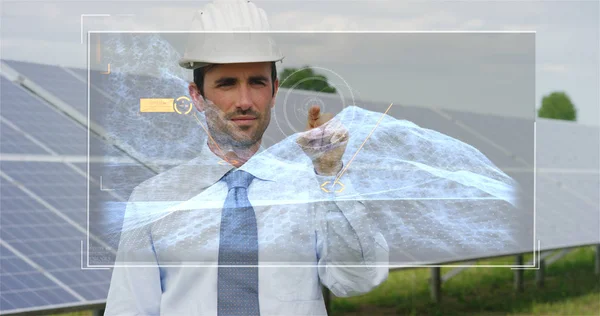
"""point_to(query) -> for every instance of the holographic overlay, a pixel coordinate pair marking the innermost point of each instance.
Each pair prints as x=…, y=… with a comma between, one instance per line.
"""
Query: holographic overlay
x=424, y=182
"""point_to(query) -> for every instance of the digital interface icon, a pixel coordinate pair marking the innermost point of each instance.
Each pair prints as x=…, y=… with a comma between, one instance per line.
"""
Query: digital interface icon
x=182, y=105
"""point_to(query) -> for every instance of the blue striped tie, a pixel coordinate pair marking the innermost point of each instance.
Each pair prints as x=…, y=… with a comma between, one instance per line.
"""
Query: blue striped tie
x=238, y=245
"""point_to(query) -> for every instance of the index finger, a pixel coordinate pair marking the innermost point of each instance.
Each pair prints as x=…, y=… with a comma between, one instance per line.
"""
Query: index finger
x=313, y=115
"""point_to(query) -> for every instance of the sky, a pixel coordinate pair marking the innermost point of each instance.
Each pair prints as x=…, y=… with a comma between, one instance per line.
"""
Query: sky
x=566, y=43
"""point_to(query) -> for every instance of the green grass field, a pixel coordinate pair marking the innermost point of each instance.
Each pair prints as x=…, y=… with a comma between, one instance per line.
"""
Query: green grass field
x=571, y=288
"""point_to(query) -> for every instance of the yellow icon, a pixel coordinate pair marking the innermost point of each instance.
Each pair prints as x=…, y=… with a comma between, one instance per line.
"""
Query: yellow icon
x=337, y=182
x=156, y=105
x=106, y=72
x=182, y=105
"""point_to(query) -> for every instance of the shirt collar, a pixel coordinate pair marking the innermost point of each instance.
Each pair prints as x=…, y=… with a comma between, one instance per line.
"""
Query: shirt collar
x=216, y=167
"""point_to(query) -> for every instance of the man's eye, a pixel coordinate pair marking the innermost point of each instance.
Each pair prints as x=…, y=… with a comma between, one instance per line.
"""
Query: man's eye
x=262, y=83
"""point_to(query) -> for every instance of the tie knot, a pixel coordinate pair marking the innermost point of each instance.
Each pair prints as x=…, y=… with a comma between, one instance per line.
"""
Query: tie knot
x=237, y=179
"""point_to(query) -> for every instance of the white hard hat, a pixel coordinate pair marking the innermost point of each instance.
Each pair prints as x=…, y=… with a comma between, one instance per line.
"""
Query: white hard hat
x=229, y=32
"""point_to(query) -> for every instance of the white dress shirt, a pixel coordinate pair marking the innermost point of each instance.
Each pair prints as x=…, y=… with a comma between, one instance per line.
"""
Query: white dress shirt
x=307, y=237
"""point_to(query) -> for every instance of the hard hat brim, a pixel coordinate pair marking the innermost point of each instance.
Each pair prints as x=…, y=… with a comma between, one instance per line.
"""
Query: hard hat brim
x=191, y=63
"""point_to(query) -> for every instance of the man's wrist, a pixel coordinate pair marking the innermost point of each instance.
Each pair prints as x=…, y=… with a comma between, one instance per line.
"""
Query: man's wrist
x=328, y=171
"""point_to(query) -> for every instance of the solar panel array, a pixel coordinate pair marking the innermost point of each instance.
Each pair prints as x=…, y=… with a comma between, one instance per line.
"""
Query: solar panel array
x=43, y=196
x=44, y=186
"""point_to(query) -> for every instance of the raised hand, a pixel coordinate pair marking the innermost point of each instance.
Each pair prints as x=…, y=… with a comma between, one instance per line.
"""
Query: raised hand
x=324, y=141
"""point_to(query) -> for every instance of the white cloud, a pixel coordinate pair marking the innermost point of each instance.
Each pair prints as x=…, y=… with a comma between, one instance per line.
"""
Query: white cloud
x=311, y=21
x=167, y=18
x=472, y=24
x=554, y=68
x=25, y=10
x=70, y=54
x=523, y=27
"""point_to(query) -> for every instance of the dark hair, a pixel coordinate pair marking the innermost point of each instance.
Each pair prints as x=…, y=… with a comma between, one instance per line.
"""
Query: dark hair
x=200, y=72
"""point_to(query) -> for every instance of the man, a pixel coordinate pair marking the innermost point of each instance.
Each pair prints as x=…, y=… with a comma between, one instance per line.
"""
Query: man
x=234, y=232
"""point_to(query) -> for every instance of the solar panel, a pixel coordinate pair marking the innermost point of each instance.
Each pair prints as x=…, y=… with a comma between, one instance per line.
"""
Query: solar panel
x=57, y=81
x=284, y=124
x=566, y=145
x=82, y=73
x=100, y=148
x=50, y=127
x=564, y=220
x=106, y=204
x=119, y=177
x=585, y=186
x=14, y=142
x=567, y=181
x=443, y=125
x=24, y=287
x=32, y=115
x=53, y=182
x=514, y=134
x=108, y=107
x=57, y=184
x=49, y=242
x=73, y=90
x=32, y=229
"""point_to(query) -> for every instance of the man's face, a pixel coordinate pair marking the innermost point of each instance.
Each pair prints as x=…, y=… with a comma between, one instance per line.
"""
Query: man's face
x=238, y=102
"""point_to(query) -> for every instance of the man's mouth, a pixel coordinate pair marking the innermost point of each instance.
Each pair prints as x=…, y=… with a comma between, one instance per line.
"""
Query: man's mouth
x=244, y=120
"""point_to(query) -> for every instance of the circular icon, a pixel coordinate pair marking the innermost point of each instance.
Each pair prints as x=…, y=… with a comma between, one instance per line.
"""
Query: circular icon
x=182, y=105
x=292, y=115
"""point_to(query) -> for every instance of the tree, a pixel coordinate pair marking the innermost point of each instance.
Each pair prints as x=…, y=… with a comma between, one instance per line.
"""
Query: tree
x=305, y=79
x=558, y=105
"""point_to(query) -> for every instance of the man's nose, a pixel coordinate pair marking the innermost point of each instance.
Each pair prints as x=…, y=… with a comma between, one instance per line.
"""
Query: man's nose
x=244, y=100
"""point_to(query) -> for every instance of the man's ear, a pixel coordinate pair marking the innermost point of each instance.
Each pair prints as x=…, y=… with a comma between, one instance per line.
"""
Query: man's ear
x=276, y=87
x=196, y=97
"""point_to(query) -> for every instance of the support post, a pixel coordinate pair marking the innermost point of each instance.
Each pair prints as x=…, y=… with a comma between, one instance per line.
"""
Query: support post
x=435, y=284
x=98, y=312
x=597, y=270
x=519, y=274
x=327, y=299
x=540, y=273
